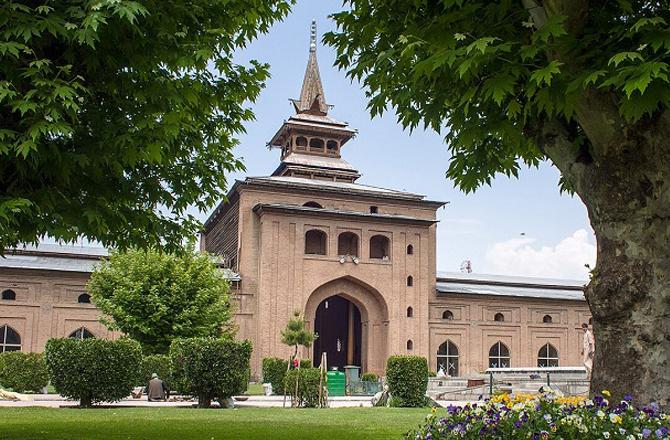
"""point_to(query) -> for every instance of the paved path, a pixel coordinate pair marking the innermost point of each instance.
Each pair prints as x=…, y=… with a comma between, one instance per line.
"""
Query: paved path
x=56, y=401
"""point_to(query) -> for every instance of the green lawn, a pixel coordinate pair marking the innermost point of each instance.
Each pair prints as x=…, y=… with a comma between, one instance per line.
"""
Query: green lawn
x=185, y=424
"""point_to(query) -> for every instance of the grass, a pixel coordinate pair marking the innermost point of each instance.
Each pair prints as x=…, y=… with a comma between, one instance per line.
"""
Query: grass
x=255, y=389
x=184, y=423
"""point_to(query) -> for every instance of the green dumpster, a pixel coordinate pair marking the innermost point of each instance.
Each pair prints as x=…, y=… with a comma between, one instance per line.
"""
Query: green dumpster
x=336, y=383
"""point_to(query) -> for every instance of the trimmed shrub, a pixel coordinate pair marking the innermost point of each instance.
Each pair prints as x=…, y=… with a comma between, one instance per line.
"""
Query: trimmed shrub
x=23, y=372
x=159, y=364
x=369, y=377
x=211, y=369
x=308, y=387
x=274, y=371
x=407, y=378
x=93, y=370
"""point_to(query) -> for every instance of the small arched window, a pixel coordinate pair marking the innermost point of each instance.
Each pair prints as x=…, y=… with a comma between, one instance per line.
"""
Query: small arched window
x=499, y=317
x=315, y=242
x=410, y=249
x=84, y=298
x=447, y=358
x=379, y=247
x=301, y=142
x=10, y=340
x=347, y=244
x=410, y=281
x=331, y=146
x=499, y=356
x=547, y=356
x=547, y=319
x=81, y=333
x=316, y=144
x=374, y=210
x=312, y=204
x=410, y=345
x=410, y=312
x=8, y=294
x=447, y=314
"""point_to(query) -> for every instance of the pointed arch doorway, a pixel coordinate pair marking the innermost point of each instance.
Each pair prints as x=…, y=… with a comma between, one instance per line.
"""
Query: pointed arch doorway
x=338, y=324
x=369, y=344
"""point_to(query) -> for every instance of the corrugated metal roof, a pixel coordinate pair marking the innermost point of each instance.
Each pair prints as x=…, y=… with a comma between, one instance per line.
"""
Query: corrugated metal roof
x=65, y=258
x=298, y=181
x=318, y=161
x=500, y=285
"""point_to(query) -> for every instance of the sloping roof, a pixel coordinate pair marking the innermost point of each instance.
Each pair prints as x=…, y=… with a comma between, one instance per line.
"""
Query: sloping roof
x=501, y=285
x=332, y=185
x=318, y=161
x=64, y=258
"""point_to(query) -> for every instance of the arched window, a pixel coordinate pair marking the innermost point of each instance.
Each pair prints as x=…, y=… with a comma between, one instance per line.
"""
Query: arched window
x=410, y=345
x=410, y=281
x=81, y=333
x=547, y=356
x=10, y=340
x=379, y=247
x=374, y=210
x=410, y=312
x=447, y=314
x=301, y=142
x=447, y=358
x=499, y=356
x=8, y=294
x=84, y=298
x=347, y=244
x=312, y=204
x=315, y=242
x=331, y=146
x=499, y=317
x=547, y=319
x=316, y=144
x=410, y=249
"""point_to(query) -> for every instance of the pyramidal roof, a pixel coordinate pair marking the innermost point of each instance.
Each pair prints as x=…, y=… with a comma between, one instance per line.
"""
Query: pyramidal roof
x=312, y=99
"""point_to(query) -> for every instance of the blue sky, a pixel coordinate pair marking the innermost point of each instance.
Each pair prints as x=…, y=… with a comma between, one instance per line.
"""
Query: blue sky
x=485, y=227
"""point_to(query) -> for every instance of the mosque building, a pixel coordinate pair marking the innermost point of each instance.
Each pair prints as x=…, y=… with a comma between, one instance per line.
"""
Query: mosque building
x=357, y=261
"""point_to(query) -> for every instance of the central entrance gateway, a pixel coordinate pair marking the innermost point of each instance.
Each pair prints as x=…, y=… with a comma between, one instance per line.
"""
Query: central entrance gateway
x=338, y=324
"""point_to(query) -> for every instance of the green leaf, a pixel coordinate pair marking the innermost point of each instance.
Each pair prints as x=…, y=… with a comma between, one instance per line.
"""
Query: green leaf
x=623, y=56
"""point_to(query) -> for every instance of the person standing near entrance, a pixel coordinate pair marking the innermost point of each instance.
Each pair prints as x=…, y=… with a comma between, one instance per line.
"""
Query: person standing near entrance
x=588, y=349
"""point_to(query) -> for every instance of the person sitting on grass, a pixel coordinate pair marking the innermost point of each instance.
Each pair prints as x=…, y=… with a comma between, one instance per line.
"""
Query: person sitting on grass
x=157, y=390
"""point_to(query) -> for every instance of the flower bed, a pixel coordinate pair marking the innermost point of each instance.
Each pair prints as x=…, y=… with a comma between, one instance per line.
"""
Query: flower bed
x=546, y=416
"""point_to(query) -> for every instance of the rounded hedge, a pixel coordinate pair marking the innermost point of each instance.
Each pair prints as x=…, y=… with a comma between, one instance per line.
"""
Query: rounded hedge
x=274, y=372
x=369, y=377
x=308, y=387
x=407, y=378
x=23, y=372
x=211, y=369
x=93, y=370
x=155, y=363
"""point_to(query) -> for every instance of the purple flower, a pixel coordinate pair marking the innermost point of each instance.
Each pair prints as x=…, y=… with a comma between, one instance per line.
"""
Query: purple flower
x=628, y=398
x=646, y=432
x=661, y=432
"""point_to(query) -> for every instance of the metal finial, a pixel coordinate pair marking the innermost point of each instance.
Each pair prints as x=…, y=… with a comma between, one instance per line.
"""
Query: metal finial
x=312, y=37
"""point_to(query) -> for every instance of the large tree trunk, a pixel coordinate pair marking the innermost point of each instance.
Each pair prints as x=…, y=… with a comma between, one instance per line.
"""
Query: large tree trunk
x=623, y=178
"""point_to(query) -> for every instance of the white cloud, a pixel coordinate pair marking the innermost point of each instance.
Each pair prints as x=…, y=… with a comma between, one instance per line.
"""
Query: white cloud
x=518, y=256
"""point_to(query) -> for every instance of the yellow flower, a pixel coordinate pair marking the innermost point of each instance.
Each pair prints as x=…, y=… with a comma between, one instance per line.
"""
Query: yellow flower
x=615, y=418
x=606, y=393
x=434, y=410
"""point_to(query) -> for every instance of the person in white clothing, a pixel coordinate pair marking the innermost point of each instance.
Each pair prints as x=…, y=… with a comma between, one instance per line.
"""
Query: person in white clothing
x=588, y=349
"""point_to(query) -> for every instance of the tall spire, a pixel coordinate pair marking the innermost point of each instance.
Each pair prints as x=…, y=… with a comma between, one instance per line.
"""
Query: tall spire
x=312, y=99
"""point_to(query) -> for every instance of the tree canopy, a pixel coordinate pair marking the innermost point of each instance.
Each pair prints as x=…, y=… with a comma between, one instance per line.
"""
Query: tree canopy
x=117, y=115
x=156, y=297
x=582, y=84
x=496, y=76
